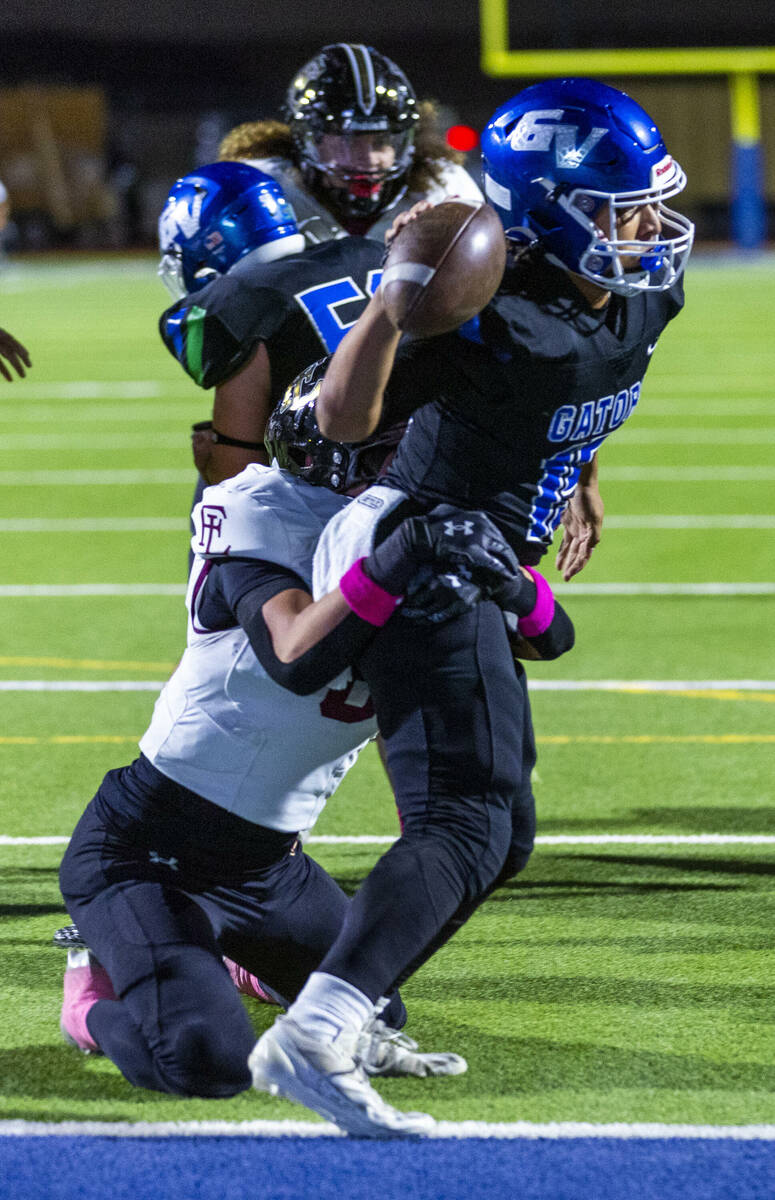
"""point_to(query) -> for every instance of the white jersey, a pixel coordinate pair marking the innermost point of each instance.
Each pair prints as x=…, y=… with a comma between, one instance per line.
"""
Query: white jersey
x=221, y=726
x=349, y=535
x=319, y=225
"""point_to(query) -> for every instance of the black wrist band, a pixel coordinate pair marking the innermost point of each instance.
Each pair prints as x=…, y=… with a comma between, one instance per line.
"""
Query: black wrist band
x=222, y=439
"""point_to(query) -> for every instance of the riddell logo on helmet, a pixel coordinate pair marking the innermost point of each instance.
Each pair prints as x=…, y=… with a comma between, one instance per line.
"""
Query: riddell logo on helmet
x=665, y=165
x=534, y=132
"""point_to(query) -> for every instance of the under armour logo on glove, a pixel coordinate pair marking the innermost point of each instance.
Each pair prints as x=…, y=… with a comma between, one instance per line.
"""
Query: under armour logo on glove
x=466, y=528
x=159, y=861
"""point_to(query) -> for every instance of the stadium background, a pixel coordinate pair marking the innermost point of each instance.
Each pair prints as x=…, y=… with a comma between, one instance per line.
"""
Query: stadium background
x=616, y=1003
x=157, y=85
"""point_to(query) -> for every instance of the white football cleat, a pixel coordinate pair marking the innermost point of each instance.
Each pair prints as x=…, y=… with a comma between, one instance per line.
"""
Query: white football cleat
x=328, y=1078
x=385, y=1051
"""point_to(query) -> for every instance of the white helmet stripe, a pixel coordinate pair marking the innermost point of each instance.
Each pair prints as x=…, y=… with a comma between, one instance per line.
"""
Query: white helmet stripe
x=363, y=75
x=496, y=192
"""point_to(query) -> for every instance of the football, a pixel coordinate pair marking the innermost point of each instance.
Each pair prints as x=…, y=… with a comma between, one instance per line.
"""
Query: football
x=443, y=267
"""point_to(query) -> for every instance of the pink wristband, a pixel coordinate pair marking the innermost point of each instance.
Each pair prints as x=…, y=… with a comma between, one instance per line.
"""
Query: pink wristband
x=365, y=597
x=542, y=615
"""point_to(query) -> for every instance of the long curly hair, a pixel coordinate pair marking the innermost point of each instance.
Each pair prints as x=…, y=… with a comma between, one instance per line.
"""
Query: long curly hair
x=272, y=139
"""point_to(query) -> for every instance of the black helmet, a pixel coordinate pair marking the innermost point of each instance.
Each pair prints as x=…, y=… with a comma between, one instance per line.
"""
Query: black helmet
x=294, y=439
x=344, y=91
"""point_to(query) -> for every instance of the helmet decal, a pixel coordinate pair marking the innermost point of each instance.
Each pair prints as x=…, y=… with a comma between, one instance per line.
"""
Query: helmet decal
x=530, y=135
x=182, y=215
x=363, y=76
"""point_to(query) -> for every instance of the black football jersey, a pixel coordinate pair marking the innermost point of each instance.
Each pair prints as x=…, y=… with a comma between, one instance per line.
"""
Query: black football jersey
x=300, y=307
x=512, y=405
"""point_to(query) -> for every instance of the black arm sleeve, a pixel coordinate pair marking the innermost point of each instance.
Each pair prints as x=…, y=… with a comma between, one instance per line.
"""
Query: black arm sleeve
x=242, y=587
x=558, y=638
x=318, y=665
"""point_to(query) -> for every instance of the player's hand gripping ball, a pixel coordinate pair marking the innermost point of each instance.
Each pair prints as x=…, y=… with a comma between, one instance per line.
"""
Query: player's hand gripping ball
x=443, y=267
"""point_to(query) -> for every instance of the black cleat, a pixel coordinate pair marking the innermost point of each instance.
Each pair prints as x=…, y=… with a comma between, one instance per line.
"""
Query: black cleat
x=68, y=938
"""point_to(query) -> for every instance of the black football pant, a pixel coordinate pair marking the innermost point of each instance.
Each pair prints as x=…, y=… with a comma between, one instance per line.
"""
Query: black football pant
x=453, y=711
x=161, y=884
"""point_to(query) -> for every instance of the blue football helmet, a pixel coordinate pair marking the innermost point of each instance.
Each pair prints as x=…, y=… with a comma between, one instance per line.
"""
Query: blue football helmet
x=563, y=160
x=217, y=214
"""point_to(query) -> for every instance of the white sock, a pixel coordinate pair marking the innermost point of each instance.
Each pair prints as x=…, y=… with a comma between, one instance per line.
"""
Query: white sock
x=326, y=1007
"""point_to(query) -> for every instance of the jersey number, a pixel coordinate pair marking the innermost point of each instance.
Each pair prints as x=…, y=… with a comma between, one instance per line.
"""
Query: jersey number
x=349, y=704
x=323, y=302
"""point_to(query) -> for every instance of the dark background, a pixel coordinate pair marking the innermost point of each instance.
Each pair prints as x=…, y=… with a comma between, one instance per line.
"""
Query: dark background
x=173, y=77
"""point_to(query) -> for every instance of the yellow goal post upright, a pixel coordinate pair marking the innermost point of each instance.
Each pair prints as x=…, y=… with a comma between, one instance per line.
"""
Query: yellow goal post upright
x=742, y=66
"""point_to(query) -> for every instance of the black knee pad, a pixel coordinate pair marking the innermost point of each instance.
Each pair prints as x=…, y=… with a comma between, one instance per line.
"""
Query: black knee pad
x=202, y=1058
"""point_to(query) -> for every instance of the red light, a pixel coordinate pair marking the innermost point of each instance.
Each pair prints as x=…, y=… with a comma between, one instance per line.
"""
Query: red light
x=462, y=137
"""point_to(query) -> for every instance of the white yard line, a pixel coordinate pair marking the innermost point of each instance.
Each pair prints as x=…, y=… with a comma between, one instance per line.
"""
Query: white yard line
x=567, y=589
x=695, y=404
x=663, y=589
x=115, y=442
x=81, y=685
x=443, y=1129
x=714, y=474
x=536, y=685
x=105, y=478
x=111, y=478
x=90, y=389
x=174, y=410
x=667, y=435
x=651, y=685
x=691, y=521
x=650, y=521
x=94, y=524
x=27, y=590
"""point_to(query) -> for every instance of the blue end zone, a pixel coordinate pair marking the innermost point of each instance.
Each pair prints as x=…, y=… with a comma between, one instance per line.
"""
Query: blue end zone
x=212, y=1168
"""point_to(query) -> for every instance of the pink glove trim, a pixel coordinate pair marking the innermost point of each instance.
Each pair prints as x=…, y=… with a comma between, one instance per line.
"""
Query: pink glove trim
x=365, y=597
x=542, y=614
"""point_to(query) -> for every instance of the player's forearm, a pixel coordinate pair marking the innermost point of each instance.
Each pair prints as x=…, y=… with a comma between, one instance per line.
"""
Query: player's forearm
x=226, y=461
x=588, y=473
x=349, y=404
x=235, y=436
x=297, y=623
x=302, y=645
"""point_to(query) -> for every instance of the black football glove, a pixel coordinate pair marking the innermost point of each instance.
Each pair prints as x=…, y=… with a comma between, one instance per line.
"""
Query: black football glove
x=446, y=562
x=434, y=598
x=450, y=540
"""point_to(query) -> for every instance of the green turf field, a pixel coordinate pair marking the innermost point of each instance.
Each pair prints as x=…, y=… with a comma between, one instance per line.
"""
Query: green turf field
x=616, y=980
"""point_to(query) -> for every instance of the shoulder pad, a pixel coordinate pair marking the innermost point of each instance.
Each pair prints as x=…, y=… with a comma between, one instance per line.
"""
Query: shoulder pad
x=213, y=332
x=263, y=513
x=456, y=181
x=313, y=219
